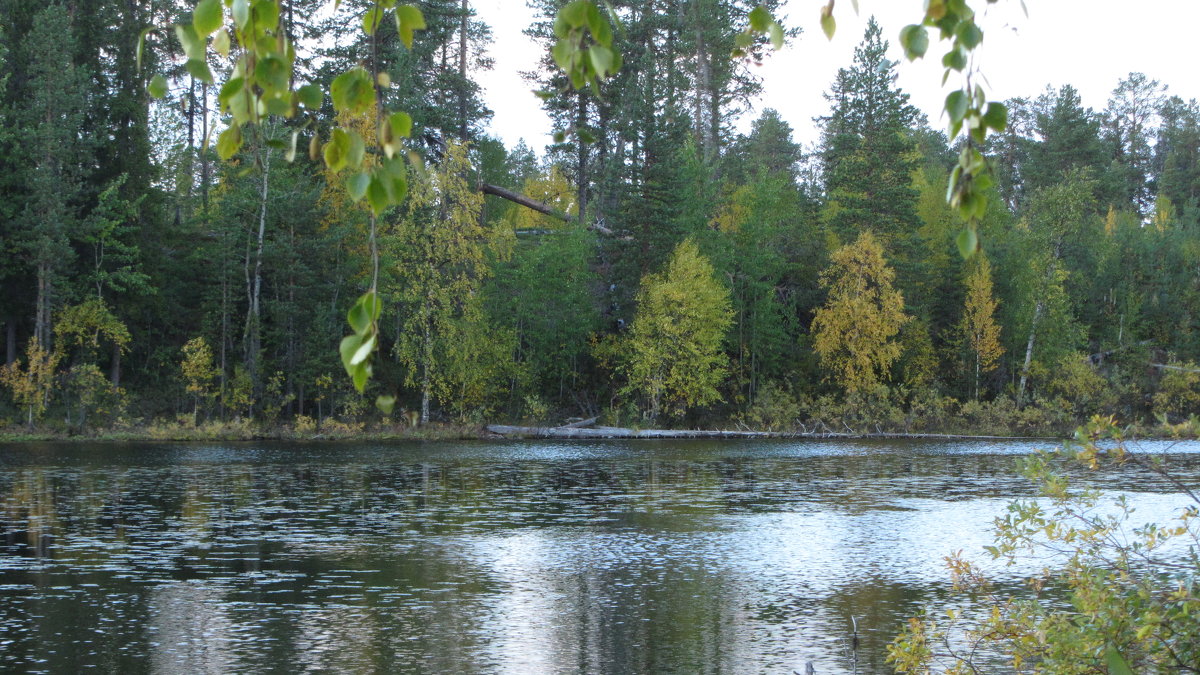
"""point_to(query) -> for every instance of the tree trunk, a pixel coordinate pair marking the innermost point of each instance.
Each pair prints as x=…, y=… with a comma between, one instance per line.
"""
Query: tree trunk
x=10, y=341
x=41, y=323
x=1037, y=315
x=426, y=357
x=581, y=160
x=253, y=333
x=115, y=371
x=977, y=375
x=204, y=177
x=462, y=72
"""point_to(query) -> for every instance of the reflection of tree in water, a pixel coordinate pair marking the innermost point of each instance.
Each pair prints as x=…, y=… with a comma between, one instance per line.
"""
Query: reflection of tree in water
x=613, y=599
x=637, y=562
x=192, y=630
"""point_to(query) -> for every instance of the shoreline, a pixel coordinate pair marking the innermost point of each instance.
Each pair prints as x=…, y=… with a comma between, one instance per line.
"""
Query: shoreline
x=448, y=432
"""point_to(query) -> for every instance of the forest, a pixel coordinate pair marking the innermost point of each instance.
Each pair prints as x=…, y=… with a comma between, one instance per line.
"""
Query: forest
x=672, y=271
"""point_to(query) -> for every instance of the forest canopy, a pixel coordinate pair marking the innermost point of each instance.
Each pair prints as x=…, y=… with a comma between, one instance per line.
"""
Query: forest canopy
x=165, y=258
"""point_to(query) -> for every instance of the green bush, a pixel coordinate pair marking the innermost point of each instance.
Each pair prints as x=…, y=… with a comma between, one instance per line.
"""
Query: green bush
x=1133, y=607
x=1178, y=394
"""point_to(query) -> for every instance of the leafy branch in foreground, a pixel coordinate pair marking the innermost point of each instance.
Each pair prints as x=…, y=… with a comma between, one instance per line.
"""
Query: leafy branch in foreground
x=1133, y=591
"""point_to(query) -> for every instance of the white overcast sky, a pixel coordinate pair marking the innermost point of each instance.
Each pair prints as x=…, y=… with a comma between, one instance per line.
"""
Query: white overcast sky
x=1090, y=44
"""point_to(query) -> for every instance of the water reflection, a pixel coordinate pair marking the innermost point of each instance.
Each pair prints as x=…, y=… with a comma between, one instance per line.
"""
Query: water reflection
x=506, y=558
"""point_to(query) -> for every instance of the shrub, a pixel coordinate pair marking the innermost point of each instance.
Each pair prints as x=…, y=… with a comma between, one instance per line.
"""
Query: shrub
x=1178, y=392
x=1133, y=606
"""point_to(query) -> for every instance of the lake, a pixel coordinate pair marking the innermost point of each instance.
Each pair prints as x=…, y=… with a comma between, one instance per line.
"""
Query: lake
x=495, y=557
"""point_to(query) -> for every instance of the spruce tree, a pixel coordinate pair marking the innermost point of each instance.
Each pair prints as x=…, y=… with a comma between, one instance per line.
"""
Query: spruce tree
x=869, y=157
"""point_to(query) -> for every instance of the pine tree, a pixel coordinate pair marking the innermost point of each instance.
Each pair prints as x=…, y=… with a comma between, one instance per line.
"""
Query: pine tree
x=1067, y=137
x=51, y=157
x=674, y=352
x=1177, y=153
x=1131, y=112
x=853, y=331
x=767, y=148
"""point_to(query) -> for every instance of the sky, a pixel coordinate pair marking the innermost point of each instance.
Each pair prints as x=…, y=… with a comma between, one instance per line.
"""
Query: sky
x=1089, y=44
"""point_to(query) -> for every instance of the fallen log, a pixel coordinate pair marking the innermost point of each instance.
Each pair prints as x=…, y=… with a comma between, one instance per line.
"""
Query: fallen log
x=518, y=198
x=622, y=432
x=619, y=432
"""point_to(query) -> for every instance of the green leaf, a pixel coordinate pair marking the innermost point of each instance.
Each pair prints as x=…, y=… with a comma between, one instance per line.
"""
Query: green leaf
x=575, y=13
x=371, y=20
x=207, y=17
x=1117, y=665
x=199, y=70
x=220, y=43
x=266, y=14
x=760, y=19
x=192, y=45
x=377, y=195
x=955, y=58
x=229, y=142
x=968, y=242
x=401, y=123
x=828, y=25
x=915, y=40
x=347, y=348
x=374, y=306
x=361, y=374
x=157, y=86
x=353, y=91
x=996, y=117
x=969, y=34
x=385, y=404
x=357, y=185
x=408, y=19
x=776, y=31
x=335, y=158
x=311, y=96
x=141, y=46
x=290, y=154
x=614, y=17
x=602, y=32
x=956, y=105
x=952, y=184
x=602, y=59
x=399, y=188
x=241, y=13
x=364, y=350
x=561, y=28
x=228, y=90
x=273, y=74
x=562, y=52
x=355, y=150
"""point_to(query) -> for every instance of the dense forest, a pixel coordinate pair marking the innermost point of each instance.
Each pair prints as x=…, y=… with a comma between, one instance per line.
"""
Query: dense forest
x=673, y=272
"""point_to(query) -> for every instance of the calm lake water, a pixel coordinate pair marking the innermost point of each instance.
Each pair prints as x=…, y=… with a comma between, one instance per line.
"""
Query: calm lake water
x=493, y=557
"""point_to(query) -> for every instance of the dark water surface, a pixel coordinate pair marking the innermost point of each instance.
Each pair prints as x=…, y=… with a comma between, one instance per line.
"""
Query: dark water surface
x=492, y=557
